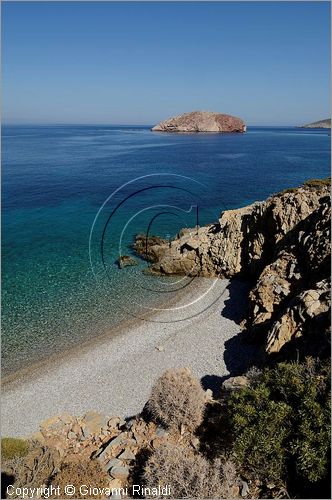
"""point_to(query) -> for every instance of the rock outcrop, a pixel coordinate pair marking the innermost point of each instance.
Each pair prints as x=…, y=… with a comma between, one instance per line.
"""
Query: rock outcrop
x=283, y=246
x=150, y=248
x=201, y=121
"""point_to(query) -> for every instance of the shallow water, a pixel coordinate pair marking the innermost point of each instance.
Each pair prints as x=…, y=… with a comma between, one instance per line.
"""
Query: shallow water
x=60, y=281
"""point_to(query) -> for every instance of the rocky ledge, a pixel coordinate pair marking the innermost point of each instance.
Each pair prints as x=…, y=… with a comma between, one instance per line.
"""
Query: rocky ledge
x=201, y=121
x=282, y=245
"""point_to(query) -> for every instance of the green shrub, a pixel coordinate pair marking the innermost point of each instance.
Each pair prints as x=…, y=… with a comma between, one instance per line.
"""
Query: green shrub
x=177, y=398
x=281, y=423
x=13, y=447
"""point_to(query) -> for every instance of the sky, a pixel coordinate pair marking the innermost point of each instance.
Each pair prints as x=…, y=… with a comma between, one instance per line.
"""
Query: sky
x=139, y=63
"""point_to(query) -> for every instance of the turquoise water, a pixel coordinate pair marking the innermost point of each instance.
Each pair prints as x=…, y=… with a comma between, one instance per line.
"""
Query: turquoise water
x=61, y=285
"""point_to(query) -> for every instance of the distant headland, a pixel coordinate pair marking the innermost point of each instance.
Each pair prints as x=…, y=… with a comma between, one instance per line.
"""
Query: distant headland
x=201, y=121
x=320, y=124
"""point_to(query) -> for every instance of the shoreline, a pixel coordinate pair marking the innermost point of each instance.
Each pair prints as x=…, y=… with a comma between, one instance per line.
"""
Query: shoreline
x=114, y=374
x=16, y=377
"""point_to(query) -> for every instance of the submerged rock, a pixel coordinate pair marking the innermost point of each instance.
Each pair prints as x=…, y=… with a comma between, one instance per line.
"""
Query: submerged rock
x=126, y=260
x=201, y=121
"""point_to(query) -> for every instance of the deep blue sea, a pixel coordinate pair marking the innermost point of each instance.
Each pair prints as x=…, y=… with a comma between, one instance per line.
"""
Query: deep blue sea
x=73, y=197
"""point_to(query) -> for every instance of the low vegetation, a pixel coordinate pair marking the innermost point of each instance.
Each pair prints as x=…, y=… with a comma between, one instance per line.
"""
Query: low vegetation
x=177, y=398
x=276, y=429
x=189, y=474
x=37, y=467
x=13, y=448
x=77, y=471
x=266, y=438
x=281, y=424
x=317, y=183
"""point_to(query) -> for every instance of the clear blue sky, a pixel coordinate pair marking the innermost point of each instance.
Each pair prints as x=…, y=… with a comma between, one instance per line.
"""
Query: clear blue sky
x=138, y=63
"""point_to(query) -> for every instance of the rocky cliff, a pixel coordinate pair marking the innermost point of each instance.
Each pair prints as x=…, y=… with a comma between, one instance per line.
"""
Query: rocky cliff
x=283, y=246
x=201, y=121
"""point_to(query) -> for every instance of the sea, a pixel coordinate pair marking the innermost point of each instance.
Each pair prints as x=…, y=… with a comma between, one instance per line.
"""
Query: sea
x=74, y=197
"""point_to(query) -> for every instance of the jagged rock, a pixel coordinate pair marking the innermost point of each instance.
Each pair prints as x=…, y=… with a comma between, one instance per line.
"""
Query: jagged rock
x=282, y=244
x=201, y=121
x=306, y=311
x=243, y=241
x=125, y=261
x=150, y=248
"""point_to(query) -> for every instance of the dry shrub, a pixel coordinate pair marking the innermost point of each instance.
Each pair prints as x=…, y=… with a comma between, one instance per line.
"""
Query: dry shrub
x=230, y=480
x=177, y=398
x=187, y=473
x=79, y=470
x=34, y=469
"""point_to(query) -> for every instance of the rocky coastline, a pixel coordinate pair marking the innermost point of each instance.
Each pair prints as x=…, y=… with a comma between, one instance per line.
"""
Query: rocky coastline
x=248, y=438
x=283, y=246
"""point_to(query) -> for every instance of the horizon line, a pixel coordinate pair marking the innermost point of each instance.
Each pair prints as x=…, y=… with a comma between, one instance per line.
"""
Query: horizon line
x=96, y=124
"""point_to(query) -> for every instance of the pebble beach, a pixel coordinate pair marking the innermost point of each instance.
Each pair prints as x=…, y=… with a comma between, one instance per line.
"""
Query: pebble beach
x=114, y=375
